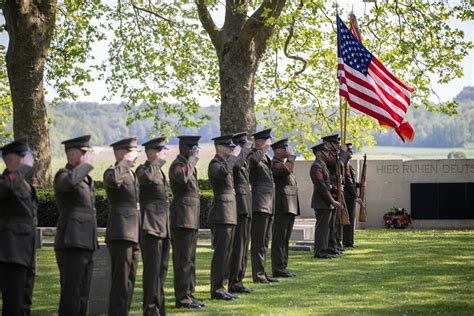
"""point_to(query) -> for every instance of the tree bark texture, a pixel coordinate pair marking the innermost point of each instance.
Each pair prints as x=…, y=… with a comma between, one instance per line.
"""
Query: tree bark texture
x=30, y=25
x=240, y=45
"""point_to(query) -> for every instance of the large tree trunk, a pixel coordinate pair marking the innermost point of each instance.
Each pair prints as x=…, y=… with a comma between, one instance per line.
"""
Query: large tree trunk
x=240, y=45
x=237, y=95
x=30, y=25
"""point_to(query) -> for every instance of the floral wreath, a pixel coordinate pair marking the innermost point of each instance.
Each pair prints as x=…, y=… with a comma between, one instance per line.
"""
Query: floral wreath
x=397, y=218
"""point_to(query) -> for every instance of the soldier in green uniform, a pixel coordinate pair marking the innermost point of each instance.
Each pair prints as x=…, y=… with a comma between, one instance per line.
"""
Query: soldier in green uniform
x=122, y=234
x=155, y=229
x=18, y=220
x=287, y=206
x=184, y=217
x=243, y=196
x=322, y=201
x=350, y=195
x=76, y=234
x=335, y=227
x=263, y=199
x=223, y=212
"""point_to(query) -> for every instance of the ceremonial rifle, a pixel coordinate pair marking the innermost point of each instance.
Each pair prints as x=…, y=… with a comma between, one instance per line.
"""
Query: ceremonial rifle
x=344, y=216
x=363, y=210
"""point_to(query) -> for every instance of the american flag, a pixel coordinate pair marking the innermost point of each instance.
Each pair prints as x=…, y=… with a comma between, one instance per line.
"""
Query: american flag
x=367, y=85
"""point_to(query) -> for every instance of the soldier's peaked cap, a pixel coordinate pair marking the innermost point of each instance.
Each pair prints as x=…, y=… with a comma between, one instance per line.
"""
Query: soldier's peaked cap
x=318, y=147
x=264, y=134
x=81, y=142
x=189, y=140
x=155, y=143
x=282, y=143
x=240, y=138
x=331, y=138
x=224, y=140
x=126, y=143
x=19, y=146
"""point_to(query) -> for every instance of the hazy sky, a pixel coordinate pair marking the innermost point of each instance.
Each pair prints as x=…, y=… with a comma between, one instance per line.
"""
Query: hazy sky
x=446, y=92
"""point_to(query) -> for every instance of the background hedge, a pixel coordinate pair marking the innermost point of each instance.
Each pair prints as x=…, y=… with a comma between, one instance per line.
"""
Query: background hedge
x=48, y=213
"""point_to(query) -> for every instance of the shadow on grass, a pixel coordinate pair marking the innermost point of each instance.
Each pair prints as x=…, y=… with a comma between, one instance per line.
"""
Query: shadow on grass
x=392, y=273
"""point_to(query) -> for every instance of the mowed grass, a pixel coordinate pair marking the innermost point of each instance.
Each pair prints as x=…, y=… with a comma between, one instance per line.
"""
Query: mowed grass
x=391, y=273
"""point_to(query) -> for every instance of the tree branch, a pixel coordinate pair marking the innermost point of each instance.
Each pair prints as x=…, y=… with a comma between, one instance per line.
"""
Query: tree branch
x=207, y=21
x=151, y=12
x=256, y=23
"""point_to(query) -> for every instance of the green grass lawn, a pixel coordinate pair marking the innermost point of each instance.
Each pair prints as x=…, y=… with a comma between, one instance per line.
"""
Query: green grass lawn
x=391, y=273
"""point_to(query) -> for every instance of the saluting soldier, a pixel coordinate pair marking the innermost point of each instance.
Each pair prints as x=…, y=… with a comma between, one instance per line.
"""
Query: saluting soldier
x=18, y=220
x=185, y=208
x=322, y=201
x=155, y=229
x=76, y=234
x=287, y=206
x=122, y=234
x=335, y=227
x=223, y=212
x=263, y=200
x=243, y=196
x=350, y=194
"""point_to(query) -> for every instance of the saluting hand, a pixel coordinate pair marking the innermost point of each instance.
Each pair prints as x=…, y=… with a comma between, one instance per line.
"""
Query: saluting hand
x=88, y=158
x=28, y=159
x=131, y=156
x=162, y=154
x=194, y=152
x=236, y=151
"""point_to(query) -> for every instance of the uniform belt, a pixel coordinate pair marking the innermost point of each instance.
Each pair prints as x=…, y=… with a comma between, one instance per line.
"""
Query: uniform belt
x=225, y=192
x=186, y=195
x=19, y=219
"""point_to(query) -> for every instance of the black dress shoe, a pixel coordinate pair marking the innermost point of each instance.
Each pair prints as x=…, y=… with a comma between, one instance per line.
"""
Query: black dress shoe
x=189, y=305
x=223, y=296
x=283, y=274
x=240, y=289
x=324, y=256
x=341, y=249
x=271, y=280
x=200, y=303
x=334, y=252
x=261, y=280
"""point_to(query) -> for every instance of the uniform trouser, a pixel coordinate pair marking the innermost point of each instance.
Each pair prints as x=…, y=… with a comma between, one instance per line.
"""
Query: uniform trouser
x=75, y=271
x=222, y=239
x=281, y=233
x=332, y=242
x=261, y=232
x=240, y=246
x=348, y=230
x=155, y=254
x=16, y=285
x=124, y=258
x=321, y=231
x=184, y=242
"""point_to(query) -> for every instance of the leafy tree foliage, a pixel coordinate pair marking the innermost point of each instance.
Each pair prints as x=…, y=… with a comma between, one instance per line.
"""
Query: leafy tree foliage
x=160, y=56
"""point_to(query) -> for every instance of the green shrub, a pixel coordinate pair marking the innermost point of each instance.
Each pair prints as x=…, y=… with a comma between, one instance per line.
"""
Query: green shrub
x=48, y=213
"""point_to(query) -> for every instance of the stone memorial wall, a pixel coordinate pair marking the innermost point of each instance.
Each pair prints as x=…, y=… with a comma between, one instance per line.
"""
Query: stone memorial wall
x=389, y=185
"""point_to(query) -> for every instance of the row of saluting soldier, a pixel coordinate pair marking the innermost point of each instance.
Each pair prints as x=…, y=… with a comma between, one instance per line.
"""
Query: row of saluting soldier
x=255, y=198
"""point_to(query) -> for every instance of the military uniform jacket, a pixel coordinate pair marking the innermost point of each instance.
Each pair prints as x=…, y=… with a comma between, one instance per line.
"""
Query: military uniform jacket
x=320, y=177
x=243, y=193
x=75, y=195
x=121, y=187
x=224, y=207
x=286, y=190
x=154, y=206
x=186, y=206
x=18, y=217
x=350, y=183
x=261, y=178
